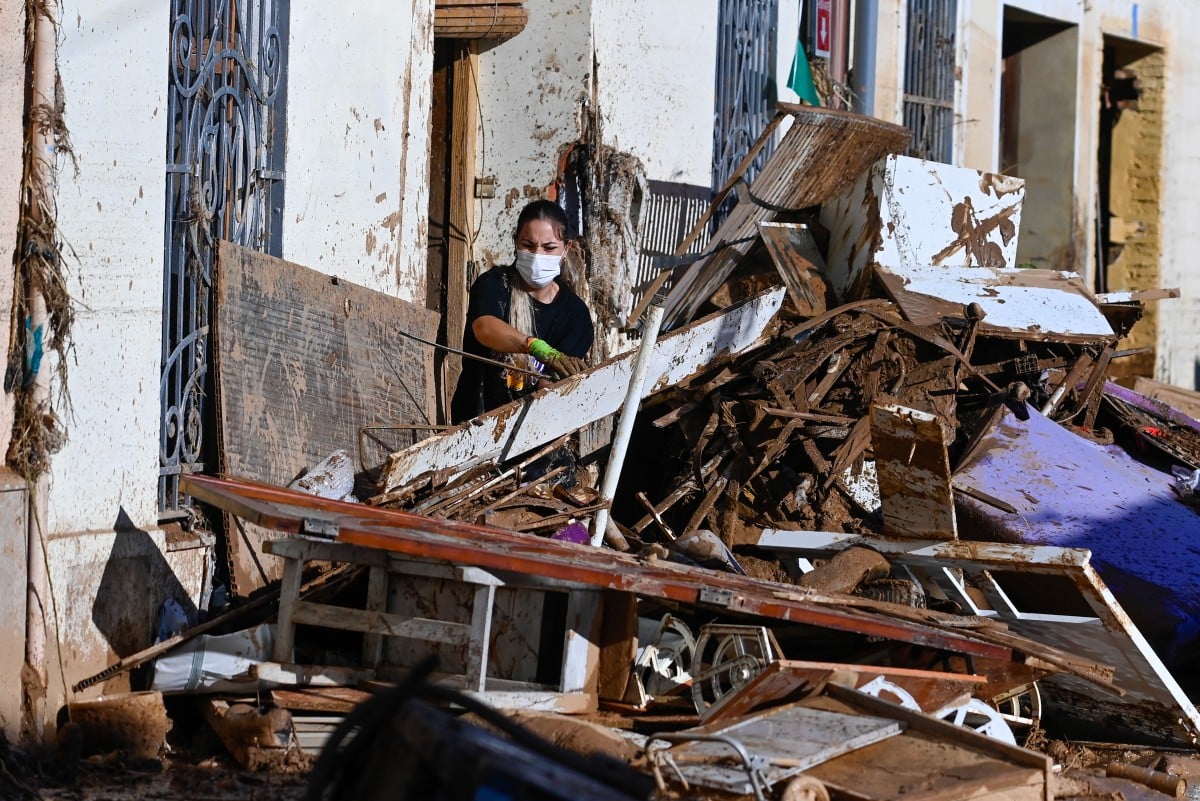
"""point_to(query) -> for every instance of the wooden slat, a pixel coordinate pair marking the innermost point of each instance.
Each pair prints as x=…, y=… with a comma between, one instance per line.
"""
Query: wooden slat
x=914, y=473
x=346, y=618
x=572, y=403
x=479, y=21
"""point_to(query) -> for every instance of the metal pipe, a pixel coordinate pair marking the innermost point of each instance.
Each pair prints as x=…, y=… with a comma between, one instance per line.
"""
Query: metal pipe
x=41, y=175
x=839, y=55
x=633, y=398
x=866, y=36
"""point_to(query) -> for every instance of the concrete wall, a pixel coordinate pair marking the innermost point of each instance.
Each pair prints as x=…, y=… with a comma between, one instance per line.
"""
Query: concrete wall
x=657, y=83
x=355, y=206
x=356, y=198
x=1179, y=320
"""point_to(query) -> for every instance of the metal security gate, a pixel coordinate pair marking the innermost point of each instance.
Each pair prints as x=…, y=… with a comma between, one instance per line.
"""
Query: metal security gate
x=225, y=148
x=929, y=69
x=745, y=92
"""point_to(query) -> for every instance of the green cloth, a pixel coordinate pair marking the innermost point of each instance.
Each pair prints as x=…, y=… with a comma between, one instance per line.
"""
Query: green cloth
x=800, y=80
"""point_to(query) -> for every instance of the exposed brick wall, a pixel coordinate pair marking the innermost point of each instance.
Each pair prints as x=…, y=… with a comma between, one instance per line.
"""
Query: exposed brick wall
x=1137, y=164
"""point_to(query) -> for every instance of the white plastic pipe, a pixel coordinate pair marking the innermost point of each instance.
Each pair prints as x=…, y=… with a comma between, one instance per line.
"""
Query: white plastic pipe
x=633, y=399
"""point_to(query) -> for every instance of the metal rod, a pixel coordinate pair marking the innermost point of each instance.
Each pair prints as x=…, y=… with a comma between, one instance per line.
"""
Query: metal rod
x=633, y=397
x=476, y=357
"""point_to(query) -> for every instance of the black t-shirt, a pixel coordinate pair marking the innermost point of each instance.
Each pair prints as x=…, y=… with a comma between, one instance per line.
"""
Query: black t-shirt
x=563, y=322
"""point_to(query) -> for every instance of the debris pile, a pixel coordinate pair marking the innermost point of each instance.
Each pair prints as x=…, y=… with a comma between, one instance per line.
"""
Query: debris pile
x=888, y=538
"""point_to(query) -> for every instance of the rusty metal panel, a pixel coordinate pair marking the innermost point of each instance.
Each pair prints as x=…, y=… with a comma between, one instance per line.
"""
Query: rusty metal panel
x=914, y=473
x=288, y=511
x=1154, y=707
x=303, y=362
x=570, y=404
x=819, y=157
x=799, y=262
x=1018, y=303
x=905, y=212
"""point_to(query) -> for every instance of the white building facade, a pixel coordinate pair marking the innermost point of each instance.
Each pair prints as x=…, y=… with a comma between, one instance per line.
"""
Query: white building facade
x=356, y=166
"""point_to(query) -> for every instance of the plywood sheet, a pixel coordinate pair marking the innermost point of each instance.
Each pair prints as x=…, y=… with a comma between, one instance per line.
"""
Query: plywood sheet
x=303, y=362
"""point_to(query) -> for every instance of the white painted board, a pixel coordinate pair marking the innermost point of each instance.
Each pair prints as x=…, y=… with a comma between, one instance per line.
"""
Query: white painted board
x=575, y=402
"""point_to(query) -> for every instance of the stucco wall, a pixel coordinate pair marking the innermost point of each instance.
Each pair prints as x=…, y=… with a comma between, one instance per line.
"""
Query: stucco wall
x=356, y=198
x=110, y=211
x=657, y=76
x=532, y=89
x=12, y=83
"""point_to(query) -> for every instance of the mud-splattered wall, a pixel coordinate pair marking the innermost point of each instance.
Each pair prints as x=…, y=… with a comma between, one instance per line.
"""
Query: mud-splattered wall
x=356, y=197
x=532, y=89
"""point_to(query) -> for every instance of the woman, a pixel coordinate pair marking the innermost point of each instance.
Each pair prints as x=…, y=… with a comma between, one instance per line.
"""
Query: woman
x=524, y=314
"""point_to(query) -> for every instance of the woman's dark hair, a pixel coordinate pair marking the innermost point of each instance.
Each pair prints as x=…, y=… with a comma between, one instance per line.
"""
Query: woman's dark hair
x=544, y=210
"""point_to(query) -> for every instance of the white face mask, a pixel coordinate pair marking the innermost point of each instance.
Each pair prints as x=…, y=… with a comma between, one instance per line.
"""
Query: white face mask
x=539, y=269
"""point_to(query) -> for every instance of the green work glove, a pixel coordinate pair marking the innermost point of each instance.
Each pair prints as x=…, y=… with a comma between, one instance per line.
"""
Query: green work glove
x=540, y=349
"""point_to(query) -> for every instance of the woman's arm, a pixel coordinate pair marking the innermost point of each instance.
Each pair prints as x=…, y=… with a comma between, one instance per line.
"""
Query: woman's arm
x=494, y=333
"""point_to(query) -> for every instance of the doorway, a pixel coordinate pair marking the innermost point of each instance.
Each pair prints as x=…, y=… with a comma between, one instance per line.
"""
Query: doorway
x=1038, y=113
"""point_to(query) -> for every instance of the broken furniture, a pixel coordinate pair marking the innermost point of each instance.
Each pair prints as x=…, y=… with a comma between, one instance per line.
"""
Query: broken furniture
x=495, y=549
x=1080, y=616
x=396, y=576
x=855, y=745
x=818, y=158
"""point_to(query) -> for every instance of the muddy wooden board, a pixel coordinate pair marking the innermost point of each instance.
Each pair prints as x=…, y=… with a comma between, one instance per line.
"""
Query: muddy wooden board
x=914, y=473
x=799, y=262
x=932, y=760
x=303, y=362
x=1019, y=303
x=787, y=739
x=910, y=212
x=1186, y=401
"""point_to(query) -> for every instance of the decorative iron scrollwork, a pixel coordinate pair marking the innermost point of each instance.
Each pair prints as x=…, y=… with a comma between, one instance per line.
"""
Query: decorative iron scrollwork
x=224, y=181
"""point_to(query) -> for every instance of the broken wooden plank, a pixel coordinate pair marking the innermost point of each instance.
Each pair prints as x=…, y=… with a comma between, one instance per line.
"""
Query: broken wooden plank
x=579, y=400
x=321, y=699
x=906, y=212
x=799, y=262
x=1082, y=617
x=491, y=548
x=914, y=473
x=1181, y=399
x=1018, y=303
x=784, y=678
x=821, y=154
